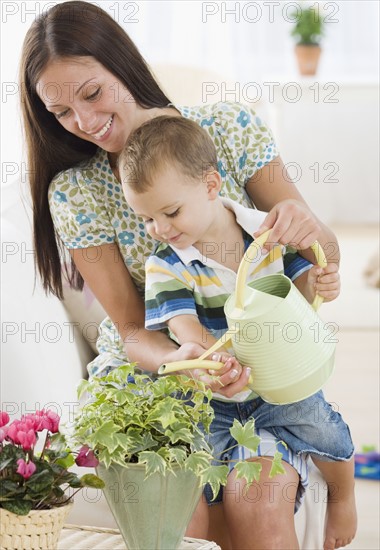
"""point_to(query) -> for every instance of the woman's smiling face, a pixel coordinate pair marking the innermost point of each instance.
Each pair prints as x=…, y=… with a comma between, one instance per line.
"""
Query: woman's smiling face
x=90, y=102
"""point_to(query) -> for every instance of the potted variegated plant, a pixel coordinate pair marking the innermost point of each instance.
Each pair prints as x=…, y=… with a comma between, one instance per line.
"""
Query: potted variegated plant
x=150, y=438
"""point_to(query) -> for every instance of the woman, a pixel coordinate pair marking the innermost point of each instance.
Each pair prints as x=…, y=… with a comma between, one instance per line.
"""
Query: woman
x=85, y=88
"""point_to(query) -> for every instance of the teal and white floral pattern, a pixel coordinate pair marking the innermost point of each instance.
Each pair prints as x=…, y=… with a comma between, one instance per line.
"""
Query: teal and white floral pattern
x=89, y=209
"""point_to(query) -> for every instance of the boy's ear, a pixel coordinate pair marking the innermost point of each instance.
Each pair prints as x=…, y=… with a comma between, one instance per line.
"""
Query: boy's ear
x=213, y=183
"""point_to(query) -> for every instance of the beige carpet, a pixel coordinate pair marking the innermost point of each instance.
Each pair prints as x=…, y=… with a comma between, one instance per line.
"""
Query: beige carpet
x=354, y=385
x=358, y=304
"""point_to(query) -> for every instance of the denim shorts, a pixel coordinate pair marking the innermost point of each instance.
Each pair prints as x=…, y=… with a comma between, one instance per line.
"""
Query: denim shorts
x=307, y=427
x=310, y=426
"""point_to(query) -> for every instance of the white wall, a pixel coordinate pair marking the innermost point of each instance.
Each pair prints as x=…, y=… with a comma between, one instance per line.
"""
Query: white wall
x=249, y=45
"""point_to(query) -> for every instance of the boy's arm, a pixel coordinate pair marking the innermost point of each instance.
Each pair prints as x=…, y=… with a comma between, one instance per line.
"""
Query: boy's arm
x=187, y=328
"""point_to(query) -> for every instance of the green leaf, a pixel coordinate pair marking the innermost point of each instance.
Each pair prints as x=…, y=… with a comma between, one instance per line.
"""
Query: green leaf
x=120, y=396
x=183, y=434
x=82, y=388
x=58, y=492
x=198, y=462
x=215, y=476
x=91, y=480
x=19, y=507
x=104, y=435
x=154, y=463
x=9, y=489
x=40, y=481
x=106, y=458
x=245, y=435
x=10, y=454
x=135, y=441
x=277, y=466
x=123, y=441
x=66, y=462
x=176, y=454
x=5, y=462
x=248, y=470
x=199, y=443
x=165, y=412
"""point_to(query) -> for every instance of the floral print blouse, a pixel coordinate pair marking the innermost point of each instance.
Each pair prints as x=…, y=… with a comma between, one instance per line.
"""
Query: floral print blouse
x=89, y=209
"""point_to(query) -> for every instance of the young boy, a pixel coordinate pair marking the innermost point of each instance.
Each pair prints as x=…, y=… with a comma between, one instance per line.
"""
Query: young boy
x=170, y=178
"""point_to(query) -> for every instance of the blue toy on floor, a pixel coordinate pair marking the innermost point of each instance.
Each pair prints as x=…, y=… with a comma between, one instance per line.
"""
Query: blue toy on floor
x=367, y=464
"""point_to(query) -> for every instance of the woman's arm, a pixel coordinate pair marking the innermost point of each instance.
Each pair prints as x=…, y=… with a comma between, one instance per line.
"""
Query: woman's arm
x=290, y=218
x=112, y=285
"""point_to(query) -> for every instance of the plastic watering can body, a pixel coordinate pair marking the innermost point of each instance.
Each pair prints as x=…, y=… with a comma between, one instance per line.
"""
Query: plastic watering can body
x=275, y=331
x=288, y=346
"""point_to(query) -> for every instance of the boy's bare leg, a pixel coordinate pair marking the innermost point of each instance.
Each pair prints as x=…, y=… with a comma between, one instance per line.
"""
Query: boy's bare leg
x=341, y=507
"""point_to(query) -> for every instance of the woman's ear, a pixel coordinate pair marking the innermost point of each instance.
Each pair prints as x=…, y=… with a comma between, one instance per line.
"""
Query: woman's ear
x=213, y=183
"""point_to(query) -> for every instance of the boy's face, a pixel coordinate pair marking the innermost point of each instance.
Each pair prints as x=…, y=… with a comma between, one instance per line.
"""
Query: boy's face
x=176, y=209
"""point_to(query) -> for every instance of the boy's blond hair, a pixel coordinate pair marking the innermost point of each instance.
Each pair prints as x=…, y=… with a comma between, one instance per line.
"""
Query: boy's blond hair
x=161, y=142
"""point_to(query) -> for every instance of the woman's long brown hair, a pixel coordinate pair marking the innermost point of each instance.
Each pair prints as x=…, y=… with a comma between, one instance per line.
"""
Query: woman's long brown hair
x=70, y=29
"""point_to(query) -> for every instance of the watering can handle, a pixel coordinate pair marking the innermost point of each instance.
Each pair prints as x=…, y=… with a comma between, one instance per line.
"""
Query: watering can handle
x=200, y=363
x=255, y=247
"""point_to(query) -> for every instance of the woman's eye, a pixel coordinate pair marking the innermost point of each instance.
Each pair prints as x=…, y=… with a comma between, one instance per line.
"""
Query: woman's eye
x=61, y=114
x=94, y=95
x=173, y=214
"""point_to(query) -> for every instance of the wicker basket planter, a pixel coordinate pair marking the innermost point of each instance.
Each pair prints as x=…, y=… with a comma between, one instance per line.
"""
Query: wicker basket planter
x=39, y=530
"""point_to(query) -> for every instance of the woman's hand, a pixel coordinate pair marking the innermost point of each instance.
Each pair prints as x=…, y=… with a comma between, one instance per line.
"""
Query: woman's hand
x=291, y=222
x=227, y=381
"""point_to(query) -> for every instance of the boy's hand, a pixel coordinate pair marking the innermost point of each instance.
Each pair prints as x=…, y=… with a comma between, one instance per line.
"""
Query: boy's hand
x=325, y=281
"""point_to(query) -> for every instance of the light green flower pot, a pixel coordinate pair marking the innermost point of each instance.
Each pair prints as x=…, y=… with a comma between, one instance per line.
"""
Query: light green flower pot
x=151, y=514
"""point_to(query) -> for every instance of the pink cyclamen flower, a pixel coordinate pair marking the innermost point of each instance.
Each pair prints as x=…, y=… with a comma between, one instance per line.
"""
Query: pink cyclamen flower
x=25, y=469
x=54, y=421
x=26, y=437
x=12, y=432
x=4, y=418
x=21, y=433
x=44, y=420
x=86, y=457
x=3, y=433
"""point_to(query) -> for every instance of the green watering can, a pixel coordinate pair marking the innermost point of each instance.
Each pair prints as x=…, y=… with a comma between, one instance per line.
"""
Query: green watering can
x=275, y=331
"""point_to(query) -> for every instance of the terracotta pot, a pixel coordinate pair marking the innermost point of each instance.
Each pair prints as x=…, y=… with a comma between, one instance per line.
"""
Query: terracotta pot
x=308, y=58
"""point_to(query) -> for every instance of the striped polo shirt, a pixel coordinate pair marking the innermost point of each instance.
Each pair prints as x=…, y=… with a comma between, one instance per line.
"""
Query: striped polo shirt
x=186, y=282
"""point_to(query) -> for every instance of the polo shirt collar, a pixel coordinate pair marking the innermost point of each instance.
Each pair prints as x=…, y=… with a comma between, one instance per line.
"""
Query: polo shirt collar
x=248, y=218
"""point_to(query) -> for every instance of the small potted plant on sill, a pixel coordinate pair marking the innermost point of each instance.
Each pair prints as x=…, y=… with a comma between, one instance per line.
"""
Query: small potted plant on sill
x=33, y=484
x=308, y=30
x=150, y=438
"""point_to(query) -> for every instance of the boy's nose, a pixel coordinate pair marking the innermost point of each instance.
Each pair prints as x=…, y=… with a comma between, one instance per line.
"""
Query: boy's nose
x=162, y=228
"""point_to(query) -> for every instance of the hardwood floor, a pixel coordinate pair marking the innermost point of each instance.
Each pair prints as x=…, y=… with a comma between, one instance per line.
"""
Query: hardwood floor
x=354, y=387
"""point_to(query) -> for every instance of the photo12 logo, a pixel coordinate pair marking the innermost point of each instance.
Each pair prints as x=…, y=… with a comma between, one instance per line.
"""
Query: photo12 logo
x=25, y=12
x=253, y=12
